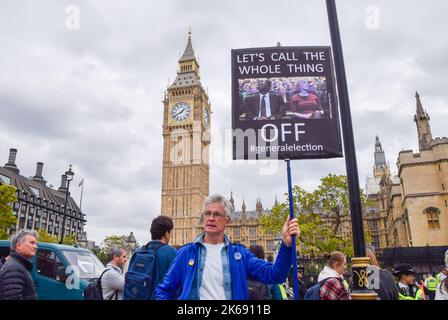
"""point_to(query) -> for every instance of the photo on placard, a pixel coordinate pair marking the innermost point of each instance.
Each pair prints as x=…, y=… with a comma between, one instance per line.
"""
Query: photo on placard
x=285, y=98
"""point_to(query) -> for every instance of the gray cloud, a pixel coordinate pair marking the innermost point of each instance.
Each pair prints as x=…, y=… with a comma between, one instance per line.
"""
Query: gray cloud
x=92, y=97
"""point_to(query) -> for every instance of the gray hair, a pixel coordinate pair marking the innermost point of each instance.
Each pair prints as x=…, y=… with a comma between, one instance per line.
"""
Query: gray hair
x=19, y=237
x=217, y=198
x=114, y=251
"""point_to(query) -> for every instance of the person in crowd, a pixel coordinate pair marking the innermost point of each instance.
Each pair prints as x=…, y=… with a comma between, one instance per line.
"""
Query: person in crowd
x=430, y=285
x=442, y=287
x=311, y=282
x=407, y=289
x=442, y=275
x=161, y=228
x=257, y=289
x=150, y=262
x=302, y=285
x=386, y=288
x=112, y=281
x=332, y=278
x=16, y=282
x=213, y=268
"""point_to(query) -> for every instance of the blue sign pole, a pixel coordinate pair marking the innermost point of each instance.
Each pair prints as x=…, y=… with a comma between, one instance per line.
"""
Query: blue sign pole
x=293, y=238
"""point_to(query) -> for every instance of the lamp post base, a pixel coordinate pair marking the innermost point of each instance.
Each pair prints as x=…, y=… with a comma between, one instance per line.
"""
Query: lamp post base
x=363, y=279
x=363, y=296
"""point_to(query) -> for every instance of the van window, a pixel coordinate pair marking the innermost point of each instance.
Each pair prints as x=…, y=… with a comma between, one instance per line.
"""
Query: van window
x=86, y=263
x=4, y=252
x=47, y=263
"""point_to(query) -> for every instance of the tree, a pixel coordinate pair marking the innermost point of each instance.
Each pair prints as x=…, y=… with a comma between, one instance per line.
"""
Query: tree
x=321, y=214
x=109, y=242
x=7, y=219
x=100, y=254
x=44, y=236
x=70, y=240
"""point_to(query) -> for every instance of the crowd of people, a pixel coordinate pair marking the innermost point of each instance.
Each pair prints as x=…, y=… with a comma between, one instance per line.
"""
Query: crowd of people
x=214, y=268
x=279, y=98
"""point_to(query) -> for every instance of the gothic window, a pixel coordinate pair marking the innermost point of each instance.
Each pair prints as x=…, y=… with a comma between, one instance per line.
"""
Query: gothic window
x=376, y=241
x=253, y=231
x=432, y=214
x=236, y=232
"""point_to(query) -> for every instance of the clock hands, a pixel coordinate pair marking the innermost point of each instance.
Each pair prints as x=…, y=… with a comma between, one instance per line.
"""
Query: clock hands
x=182, y=111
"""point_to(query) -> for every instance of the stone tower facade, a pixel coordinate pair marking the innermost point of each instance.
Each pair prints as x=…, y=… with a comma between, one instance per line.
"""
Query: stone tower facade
x=413, y=205
x=186, y=140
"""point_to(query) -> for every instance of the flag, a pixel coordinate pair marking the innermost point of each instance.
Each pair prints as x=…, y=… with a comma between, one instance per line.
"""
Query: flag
x=81, y=183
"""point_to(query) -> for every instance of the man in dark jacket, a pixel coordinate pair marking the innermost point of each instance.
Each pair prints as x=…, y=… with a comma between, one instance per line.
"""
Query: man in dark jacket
x=15, y=277
x=265, y=105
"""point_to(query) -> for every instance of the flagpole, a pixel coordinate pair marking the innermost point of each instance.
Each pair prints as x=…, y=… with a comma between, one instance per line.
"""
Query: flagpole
x=80, y=200
x=293, y=237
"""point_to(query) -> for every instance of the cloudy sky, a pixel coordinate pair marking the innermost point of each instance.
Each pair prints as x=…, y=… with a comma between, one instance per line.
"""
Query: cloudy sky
x=91, y=96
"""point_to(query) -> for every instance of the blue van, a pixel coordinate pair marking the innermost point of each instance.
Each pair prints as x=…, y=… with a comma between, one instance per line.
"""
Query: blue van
x=61, y=272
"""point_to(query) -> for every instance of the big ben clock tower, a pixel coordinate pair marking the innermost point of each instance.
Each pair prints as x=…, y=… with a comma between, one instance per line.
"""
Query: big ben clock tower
x=186, y=139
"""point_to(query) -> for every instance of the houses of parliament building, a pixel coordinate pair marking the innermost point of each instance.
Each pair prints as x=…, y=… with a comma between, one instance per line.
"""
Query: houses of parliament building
x=410, y=208
x=407, y=209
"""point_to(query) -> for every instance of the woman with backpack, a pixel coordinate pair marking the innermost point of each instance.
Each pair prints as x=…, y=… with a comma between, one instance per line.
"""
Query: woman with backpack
x=331, y=278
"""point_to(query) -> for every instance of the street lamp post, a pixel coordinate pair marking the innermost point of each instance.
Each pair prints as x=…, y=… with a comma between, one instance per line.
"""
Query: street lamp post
x=69, y=177
x=360, y=264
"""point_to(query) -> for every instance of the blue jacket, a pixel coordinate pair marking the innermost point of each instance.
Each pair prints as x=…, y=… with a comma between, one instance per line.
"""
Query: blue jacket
x=186, y=270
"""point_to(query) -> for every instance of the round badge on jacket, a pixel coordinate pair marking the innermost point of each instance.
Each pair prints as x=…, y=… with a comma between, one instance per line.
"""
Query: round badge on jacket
x=237, y=256
x=191, y=262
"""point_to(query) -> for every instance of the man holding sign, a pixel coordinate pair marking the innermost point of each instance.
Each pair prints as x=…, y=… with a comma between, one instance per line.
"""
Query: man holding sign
x=213, y=268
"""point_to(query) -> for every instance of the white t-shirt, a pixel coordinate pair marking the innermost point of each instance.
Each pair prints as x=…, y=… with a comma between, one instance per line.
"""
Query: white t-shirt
x=212, y=286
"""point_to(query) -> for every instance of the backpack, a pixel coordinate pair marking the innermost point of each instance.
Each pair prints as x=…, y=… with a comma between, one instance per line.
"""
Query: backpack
x=140, y=280
x=313, y=293
x=94, y=291
x=257, y=290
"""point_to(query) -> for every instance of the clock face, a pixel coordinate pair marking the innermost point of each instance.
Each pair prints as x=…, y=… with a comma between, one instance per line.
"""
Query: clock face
x=206, y=116
x=180, y=111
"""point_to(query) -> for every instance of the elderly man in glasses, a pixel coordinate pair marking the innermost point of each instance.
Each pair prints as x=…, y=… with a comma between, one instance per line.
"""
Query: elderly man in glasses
x=213, y=268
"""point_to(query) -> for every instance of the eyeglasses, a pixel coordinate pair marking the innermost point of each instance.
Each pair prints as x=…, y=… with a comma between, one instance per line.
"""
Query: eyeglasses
x=215, y=214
